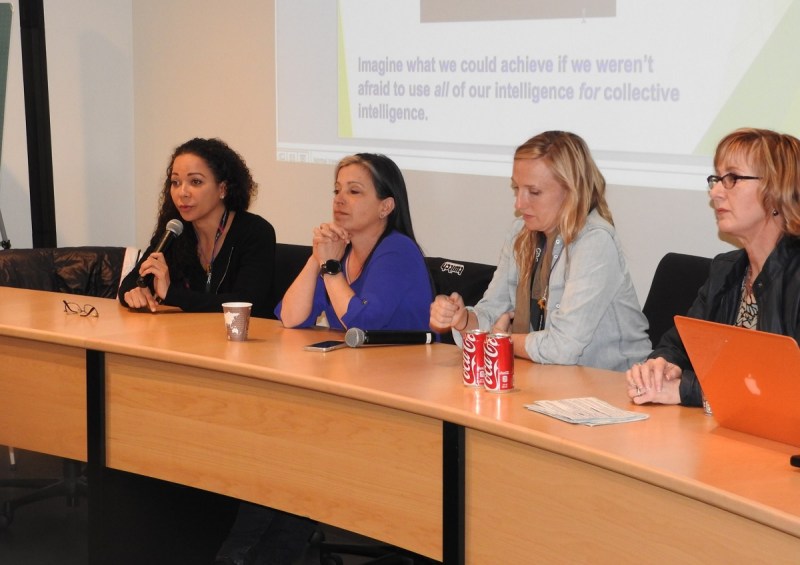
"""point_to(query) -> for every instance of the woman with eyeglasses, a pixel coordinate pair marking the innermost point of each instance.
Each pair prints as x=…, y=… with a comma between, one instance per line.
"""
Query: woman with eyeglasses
x=755, y=194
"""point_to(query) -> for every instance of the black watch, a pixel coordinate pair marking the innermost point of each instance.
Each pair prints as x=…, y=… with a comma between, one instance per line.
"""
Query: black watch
x=331, y=267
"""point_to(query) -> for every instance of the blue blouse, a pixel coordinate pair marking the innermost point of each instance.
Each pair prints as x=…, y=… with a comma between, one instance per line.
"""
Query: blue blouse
x=394, y=291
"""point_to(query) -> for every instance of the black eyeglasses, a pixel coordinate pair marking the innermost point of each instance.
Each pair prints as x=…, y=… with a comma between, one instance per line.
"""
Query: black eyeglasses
x=728, y=181
x=85, y=310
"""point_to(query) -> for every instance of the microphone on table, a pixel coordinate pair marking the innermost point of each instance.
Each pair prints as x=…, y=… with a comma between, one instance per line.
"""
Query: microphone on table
x=174, y=229
x=356, y=337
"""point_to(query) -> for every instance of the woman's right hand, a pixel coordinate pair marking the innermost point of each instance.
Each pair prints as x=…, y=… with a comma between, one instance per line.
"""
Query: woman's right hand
x=140, y=297
x=448, y=312
x=656, y=380
x=329, y=242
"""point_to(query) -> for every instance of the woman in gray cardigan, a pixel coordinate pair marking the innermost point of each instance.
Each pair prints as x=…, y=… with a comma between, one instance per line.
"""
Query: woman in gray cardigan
x=562, y=286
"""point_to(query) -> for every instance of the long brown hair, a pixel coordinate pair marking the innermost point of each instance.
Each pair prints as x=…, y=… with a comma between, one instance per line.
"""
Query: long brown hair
x=571, y=163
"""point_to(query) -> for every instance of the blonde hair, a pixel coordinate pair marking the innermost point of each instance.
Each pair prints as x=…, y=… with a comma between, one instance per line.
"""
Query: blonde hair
x=776, y=159
x=571, y=163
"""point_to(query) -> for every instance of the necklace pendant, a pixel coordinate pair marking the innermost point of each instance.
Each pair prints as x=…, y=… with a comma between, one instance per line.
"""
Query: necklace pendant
x=542, y=302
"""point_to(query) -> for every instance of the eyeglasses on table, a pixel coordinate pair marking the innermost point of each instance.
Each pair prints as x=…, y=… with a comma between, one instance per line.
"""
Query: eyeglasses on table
x=87, y=310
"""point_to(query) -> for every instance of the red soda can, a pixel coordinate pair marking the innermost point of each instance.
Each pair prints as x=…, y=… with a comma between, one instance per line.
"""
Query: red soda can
x=499, y=353
x=474, y=365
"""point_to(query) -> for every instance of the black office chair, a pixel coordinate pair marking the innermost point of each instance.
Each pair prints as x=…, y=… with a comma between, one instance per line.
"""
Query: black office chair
x=466, y=278
x=330, y=553
x=676, y=281
x=290, y=259
x=86, y=271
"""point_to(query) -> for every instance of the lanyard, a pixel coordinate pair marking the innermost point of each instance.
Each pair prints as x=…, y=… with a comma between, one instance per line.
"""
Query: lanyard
x=220, y=229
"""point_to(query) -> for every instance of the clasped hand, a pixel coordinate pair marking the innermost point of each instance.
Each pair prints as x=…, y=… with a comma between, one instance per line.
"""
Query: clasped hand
x=655, y=380
x=503, y=324
x=448, y=312
x=329, y=242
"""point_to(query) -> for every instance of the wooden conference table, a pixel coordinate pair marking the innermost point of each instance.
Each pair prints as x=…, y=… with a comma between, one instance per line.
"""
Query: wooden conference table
x=386, y=441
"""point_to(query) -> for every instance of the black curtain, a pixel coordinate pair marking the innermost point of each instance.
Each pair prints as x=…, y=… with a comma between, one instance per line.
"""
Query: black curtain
x=37, y=120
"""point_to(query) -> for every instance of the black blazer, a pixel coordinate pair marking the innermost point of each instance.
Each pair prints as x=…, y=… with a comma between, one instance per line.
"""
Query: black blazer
x=777, y=292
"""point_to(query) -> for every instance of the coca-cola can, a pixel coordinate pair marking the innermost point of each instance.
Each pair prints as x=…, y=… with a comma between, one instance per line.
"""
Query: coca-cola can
x=499, y=360
x=474, y=365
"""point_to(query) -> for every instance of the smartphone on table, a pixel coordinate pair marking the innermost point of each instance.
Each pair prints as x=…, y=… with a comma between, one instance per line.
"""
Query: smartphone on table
x=328, y=345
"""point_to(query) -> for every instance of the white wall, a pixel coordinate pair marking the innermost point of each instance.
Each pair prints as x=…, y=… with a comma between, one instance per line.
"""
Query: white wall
x=130, y=80
x=89, y=62
x=203, y=68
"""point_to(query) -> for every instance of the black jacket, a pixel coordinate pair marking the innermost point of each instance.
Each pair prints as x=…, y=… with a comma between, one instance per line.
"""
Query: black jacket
x=243, y=271
x=777, y=292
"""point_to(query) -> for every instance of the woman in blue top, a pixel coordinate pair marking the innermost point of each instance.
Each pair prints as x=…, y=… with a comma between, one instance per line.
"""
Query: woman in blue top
x=366, y=269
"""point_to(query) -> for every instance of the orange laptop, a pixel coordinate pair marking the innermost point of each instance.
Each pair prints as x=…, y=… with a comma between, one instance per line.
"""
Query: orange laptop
x=750, y=378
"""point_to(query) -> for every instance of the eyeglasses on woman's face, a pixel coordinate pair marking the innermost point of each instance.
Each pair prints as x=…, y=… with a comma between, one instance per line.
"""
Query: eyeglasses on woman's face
x=728, y=181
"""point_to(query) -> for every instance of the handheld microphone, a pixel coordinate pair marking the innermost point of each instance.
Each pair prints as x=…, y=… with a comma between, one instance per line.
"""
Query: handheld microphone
x=174, y=229
x=356, y=337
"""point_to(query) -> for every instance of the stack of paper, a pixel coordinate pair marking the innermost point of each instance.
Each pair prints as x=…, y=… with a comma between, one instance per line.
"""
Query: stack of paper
x=589, y=411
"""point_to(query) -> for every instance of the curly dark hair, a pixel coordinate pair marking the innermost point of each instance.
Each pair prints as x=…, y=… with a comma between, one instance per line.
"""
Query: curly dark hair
x=228, y=167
